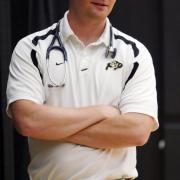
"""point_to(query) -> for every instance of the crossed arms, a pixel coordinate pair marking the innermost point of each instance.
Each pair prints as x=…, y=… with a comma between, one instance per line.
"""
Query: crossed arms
x=96, y=126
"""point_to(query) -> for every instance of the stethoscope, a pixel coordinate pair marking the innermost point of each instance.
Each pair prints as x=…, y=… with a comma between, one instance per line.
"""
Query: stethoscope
x=110, y=52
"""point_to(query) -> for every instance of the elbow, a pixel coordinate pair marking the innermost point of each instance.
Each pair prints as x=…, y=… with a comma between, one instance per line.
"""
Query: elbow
x=23, y=115
x=25, y=130
x=24, y=126
x=142, y=141
x=142, y=132
x=141, y=138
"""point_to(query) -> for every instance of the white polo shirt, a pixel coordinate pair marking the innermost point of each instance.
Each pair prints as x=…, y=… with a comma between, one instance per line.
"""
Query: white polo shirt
x=126, y=82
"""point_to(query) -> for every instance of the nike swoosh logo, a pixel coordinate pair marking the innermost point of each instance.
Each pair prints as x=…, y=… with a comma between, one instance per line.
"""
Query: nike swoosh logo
x=57, y=64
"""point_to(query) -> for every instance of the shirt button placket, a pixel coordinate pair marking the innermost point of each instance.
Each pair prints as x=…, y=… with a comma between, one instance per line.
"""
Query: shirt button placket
x=84, y=61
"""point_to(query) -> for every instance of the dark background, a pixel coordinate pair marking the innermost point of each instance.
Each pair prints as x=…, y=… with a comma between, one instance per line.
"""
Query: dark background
x=156, y=23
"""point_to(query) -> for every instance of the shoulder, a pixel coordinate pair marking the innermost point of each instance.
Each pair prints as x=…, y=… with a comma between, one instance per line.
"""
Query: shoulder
x=32, y=41
x=128, y=42
x=31, y=48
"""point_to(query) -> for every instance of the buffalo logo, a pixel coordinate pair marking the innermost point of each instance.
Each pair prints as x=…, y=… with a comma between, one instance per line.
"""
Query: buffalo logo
x=114, y=65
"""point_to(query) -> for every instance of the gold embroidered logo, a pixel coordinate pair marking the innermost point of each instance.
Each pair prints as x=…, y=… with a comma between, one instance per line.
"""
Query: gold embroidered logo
x=114, y=65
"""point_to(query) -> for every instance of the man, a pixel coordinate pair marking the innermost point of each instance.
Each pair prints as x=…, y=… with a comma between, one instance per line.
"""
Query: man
x=85, y=116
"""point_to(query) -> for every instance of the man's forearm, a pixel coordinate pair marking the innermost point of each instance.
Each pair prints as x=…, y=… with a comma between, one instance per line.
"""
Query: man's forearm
x=55, y=123
x=132, y=129
x=52, y=123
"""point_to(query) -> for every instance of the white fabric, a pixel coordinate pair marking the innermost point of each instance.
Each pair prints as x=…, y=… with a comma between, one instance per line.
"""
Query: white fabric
x=56, y=160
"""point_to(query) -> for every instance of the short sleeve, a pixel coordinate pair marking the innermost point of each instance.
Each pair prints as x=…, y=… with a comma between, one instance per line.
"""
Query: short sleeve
x=24, y=81
x=139, y=94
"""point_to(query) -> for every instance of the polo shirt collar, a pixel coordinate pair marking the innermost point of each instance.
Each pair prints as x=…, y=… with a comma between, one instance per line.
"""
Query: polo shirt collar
x=105, y=36
x=66, y=31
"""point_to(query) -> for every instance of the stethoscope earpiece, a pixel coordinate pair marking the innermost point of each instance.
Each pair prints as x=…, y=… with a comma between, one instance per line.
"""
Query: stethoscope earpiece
x=110, y=51
x=113, y=54
x=107, y=52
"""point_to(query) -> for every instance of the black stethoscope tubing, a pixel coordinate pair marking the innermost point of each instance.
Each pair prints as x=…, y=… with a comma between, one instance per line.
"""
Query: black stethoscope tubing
x=62, y=49
x=110, y=51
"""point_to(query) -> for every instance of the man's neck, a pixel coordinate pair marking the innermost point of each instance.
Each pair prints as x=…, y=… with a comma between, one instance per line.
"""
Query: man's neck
x=87, y=32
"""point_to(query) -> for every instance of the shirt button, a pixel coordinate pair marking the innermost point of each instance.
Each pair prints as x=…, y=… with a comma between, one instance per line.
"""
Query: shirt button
x=84, y=64
x=85, y=52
